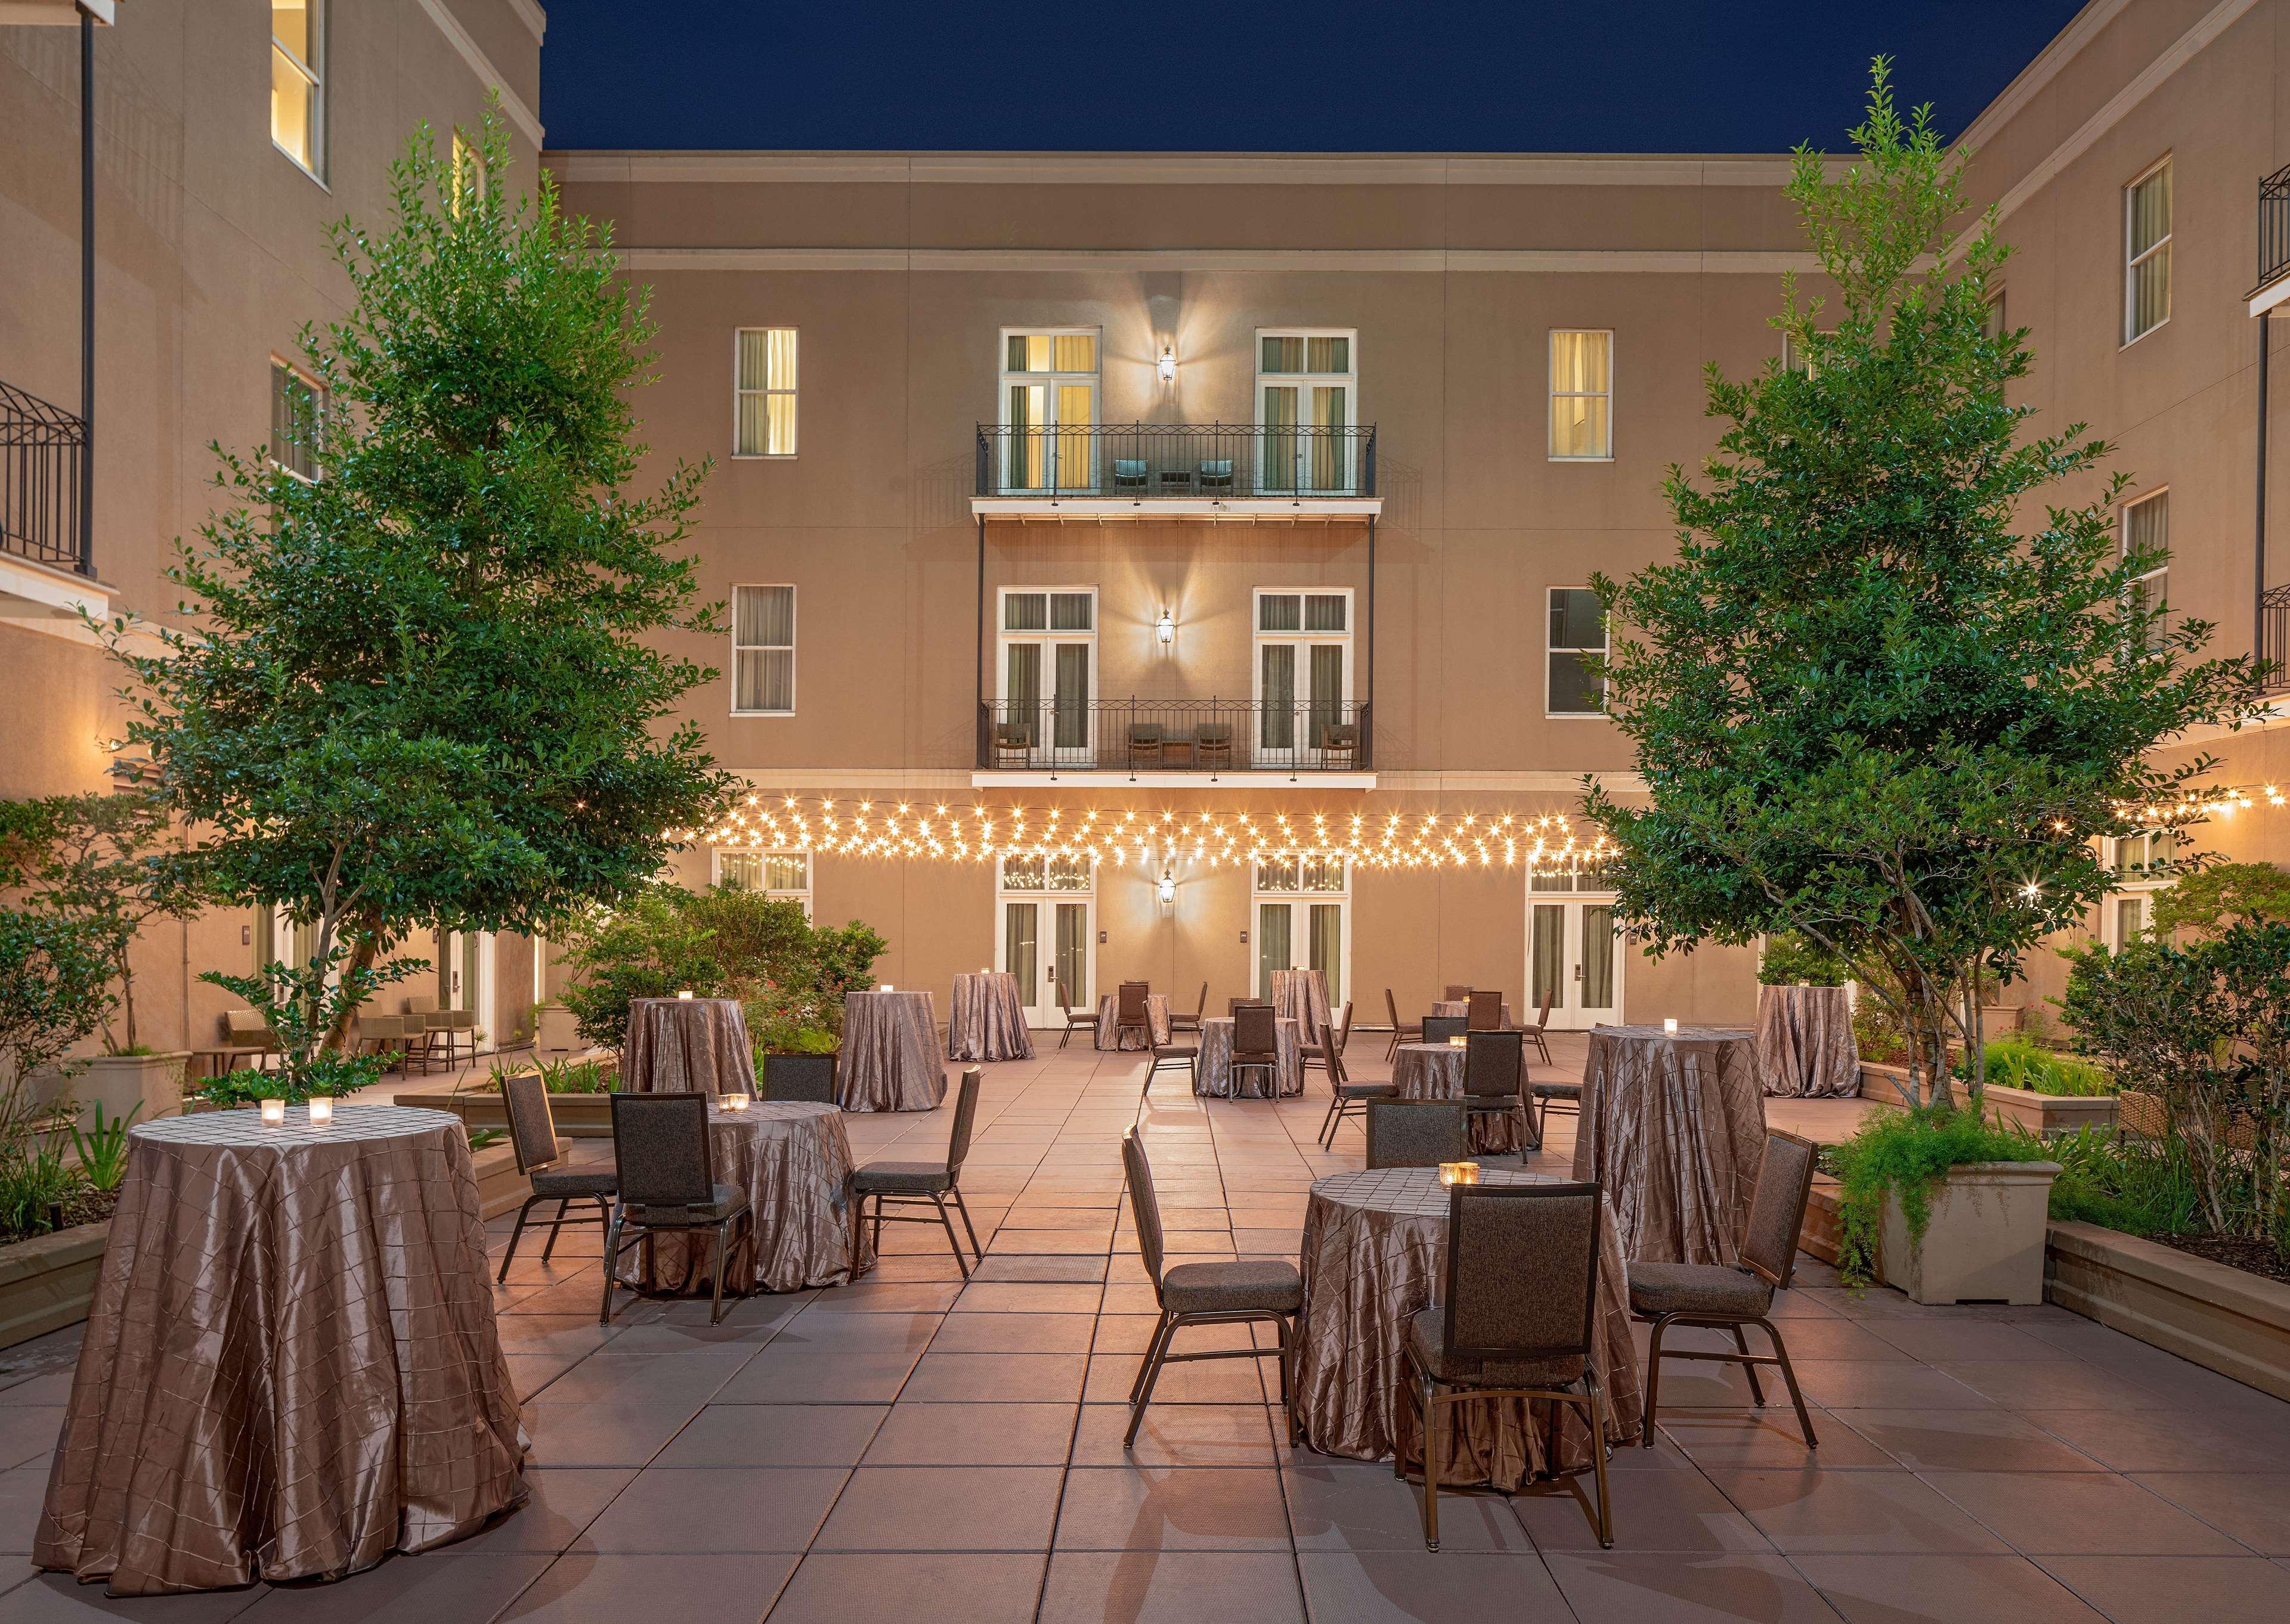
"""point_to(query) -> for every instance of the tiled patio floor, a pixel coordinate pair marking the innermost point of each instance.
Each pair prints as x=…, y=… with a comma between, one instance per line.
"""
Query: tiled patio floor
x=913, y=1449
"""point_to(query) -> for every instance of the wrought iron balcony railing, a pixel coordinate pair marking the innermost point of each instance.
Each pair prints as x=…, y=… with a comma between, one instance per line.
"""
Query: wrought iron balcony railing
x=42, y=448
x=2274, y=226
x=1207, y=736
x=2274, y=638
x=1151, y=461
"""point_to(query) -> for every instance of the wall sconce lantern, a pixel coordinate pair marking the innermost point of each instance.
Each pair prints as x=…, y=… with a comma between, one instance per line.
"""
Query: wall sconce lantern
x=1167, y=365
x=1165, y=627
x=1166, y=889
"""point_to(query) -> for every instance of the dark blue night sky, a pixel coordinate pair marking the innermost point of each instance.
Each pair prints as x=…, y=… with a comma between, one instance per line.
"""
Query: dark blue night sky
x=1685, y=75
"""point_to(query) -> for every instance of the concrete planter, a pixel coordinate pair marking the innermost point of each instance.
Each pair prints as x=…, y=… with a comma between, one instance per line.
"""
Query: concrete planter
x=2044, y=1115
x=118, y=1083
x=500, y=1187
x=2225, y=1319
x=1985, y=1243
x=47, y=1281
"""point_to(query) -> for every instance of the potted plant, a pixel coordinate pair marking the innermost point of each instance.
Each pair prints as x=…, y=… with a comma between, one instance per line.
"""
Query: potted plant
x=1943, y=1206
x=2039, y=1090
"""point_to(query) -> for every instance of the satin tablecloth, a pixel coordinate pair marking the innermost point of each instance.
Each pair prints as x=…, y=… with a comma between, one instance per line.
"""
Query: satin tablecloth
x=987, y=1021
x=1435, y=1071
x=1673, y=1125
x=1375, y=1252
x=1215, y=1077
x=1302, y=997
x=794, y=1160
x=291, y=1367
x=890, y=1053
x=1806, y=1046
x=1109, y=1016
x=687, y=1046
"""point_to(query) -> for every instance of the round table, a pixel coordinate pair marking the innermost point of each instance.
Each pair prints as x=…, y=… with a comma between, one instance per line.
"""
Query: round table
x=1673, y=1126
x=1805, y=1044
x=687, y=1046
x=1109, y=1015
x=291, y=1367
x=794, y=1160
x=890, y=1058
x=1375, y=1252
x=1435, y=1071
x=1215, y=1076
x=1302, y=995
x=986, y=1021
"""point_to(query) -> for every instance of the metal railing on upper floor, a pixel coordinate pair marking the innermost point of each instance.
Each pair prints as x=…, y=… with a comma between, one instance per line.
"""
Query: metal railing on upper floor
x=1205, y=736
x=42, y=449
x=1158, y=461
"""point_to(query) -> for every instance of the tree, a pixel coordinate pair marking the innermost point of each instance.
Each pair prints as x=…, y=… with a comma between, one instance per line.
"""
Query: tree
x=419, y=689
x=55, y=977
x=2224, y=894
x=1868, y=708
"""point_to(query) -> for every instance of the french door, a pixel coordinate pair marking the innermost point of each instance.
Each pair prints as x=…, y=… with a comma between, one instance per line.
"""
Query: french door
x=1046, y=689
x=1305, y=389
x=1575, y=955
x=1045, y=942
x=1303, y=922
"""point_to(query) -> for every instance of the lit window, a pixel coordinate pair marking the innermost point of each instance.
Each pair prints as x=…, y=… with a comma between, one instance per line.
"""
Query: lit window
x=783, y=876
x=468, y=178
x=1581, y=394
x=1991, y=317
x=2147, y=530
x=1578, y=636
x=1067, y=871
x=1049, y=405
x=764, y=388
x=297, y=84
x=1796, y=357
x=2147, y=251
x=763, y=650
x=1306, y=392
x=297, y=408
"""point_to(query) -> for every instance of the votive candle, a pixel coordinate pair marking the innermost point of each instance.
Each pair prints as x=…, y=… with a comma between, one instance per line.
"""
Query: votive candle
x=1459, y=1172
x=1456, y=1042
x=274, y=1113
x=1669, y=1025
x=322, y=1110
x=735, y=1102
x=686, y=993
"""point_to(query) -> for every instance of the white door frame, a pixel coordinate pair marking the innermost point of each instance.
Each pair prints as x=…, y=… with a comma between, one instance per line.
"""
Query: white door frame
x=1567, y=1013
x=1299, y=903
x=1307, y=749
x=1044, y=752
x=1044, y=1011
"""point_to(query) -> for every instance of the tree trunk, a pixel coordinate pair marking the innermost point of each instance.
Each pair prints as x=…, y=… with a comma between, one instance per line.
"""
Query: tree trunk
x=127, y=1001
x=367, y=949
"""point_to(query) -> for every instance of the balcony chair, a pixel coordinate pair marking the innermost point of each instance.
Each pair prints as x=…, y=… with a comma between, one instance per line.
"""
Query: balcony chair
x=917, y=1184
x=1216, y=476
x=667, y=1160
x=1212, y=744
x=1340, y=744
x=540, y=1157
x=1515, y=1321
x=1129, y=475
x=1725, y=1298
x=1402, y=1031
x=1347, y=1098
x=1013, y=739
x=1416, y=1132
x=1144, y=743
x=1076, y=1020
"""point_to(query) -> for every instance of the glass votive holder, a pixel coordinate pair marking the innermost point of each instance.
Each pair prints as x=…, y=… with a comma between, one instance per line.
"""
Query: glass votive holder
x=886, y=987
x=1459, y=1172
x=686, y=993
x=274, y=1113
x=1669, y=1025
x=322, y=1110
x=735, y=1102
x=1457, y=1043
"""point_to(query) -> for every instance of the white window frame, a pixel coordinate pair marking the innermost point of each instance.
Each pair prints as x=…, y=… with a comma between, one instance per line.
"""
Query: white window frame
x=1301, y=946
x=1305, y=750
x=1553, y=394
x=1045, y=748
x=765, y=854
x=2131, y=261
x=794, y=673
x=1549, y=597
x=1051, y=382
x=321, y=404
x=763, y=393
x=1045, y=899
x=2157, y=581
x=1572, y=892
x=1303, y=383
x=2141, y=890
x=315, y=74
x=1996, y=302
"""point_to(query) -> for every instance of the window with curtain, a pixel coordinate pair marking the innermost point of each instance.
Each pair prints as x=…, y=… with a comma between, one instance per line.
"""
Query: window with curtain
x=783, y=876
x=764, y=390
x=1306, y=393
x=2147, y=530
x=297, y=407
x=1581, y=394
x=1049, y=407
x=1991, y=317
x=2147, y=251
x=297, y=84
x=469, y=173
x=763, y=650
x=1578, y=636
x=1303, y=667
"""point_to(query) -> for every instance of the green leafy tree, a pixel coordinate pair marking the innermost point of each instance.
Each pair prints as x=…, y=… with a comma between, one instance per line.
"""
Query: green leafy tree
x=55, y=977
x=1868, y=708
x=423, y=690
x=2224, y=894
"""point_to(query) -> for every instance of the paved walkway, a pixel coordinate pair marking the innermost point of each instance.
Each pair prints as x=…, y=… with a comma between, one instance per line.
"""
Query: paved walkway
x=914, y=1448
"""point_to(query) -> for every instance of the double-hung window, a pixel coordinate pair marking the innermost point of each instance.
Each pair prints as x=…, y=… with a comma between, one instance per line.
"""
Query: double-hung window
x=784, y=877
x=763, y=650
x=297, y=81
x=2140, y=865
x=2147, y=251
x=297, y=408
x=1581, y=394
x=1578, y=636
x=1307, y=395
x=1049, y=406
x=2147, y=531
x=762, y=389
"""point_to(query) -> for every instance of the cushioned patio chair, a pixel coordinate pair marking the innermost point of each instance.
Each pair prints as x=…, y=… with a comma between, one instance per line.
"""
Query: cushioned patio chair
x=809, y=1077
x=1416, y=1132
x=540, y=1158
x=923, y=1184
x=668, y=1181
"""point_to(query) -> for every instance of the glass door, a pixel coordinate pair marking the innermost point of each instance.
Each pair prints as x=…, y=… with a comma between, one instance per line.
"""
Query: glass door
x=1303, y=922
x=1049, y=669
x=1049, y=407
x=1303, y=678
x=1572, y=954
x=1305, y=389
x=1045, y=939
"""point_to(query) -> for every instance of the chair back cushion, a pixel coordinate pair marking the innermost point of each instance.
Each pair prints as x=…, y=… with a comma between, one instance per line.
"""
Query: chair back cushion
x=1485, y=1012
x=1254, y=1031
x=1777, y=1209
x=532, y=1131
x=662, y=1145
x=1416, y=1132
x=1439, y=1028
x=1456, y=993
x=1522, y=1270
x=965, y=1112
x=799, y=1077
x=1144, y=1206
x=1132, y=1004
x=1493, y=1062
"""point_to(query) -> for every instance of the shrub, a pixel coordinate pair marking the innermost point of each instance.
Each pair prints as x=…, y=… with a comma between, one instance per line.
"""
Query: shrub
x=2140, y=1187
x=1908, y=1154
x=331, y=1074
x=1789, y=958
x=2015, y=1062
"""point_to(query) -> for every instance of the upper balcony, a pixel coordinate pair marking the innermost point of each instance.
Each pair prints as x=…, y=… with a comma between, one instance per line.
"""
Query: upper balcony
x=41, y=453
x=2273, y=243
x=1176, y=470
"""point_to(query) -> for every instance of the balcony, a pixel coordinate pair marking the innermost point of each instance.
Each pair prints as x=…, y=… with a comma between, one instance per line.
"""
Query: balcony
x=1175, y=741
x=2273, y=243
x=2274, y=638
x=42, y=449
x=1202, y=470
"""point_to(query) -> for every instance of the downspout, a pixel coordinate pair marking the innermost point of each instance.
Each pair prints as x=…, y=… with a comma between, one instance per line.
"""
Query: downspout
x=2258, y=630
x=87, y=292
x=1367, y=729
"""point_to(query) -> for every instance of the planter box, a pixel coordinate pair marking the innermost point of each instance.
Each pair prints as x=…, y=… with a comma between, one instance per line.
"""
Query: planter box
x=47, y=1281
x=1985, y=1243
x=2044, y=1115
x=554, y=1032
x=1820, y=1234
x=118, y=1083
x=500, y=1187
x=576, y=1116
x=2224, y=1319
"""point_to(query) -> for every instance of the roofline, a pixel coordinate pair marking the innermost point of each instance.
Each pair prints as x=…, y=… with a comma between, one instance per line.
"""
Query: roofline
x=1173, y=168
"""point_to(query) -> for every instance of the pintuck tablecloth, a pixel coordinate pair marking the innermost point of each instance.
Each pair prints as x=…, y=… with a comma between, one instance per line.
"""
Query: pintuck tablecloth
x=1109, y=1017
x=1216, y=1078
x=1302, y=997
x=687, y=1046
x=1805, y=1044
x=1435, y=1071
x=1673, y=1126
x=987, y=1021
x=1375, y=1252
x=890, y=1053
x=291, y=1367
x=794, y=1160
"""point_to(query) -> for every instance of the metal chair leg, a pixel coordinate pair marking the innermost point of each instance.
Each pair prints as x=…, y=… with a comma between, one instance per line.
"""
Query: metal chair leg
x=1430, y=1466
x=962, y=1207
x=1654, y=1377
x=612, y=1268
x=1152, y=1375
x=1788, y=1376
x=556, y=1226
x=722, y=1245
x=1152, y=1347
x=952, y=1239
x=513, y=1234
x=1598, y=1459
x=1756, y=1392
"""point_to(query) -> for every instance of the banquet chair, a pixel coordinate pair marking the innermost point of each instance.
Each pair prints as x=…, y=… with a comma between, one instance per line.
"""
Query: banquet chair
x=1485, y=1010
x=666, y=1159
x=1233, y=1006
x=799, y=1077
x=1084, y=1021
x=1131, y=1013
x=1256, y=1046
x=1439, y=1028
x=1542, y=1024
x=1515, y=1321
x=1727, y=1297
x=1416, y=1132
x=1347, y=1098
x=1185, y=1056
x=1402, y=1031
x=919, y=1184
x=1181, y=1023
x=1332, y=1041
x=1495, y=1069
x=1455, y=993
x=540, y=1157
x=1203, y=1294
